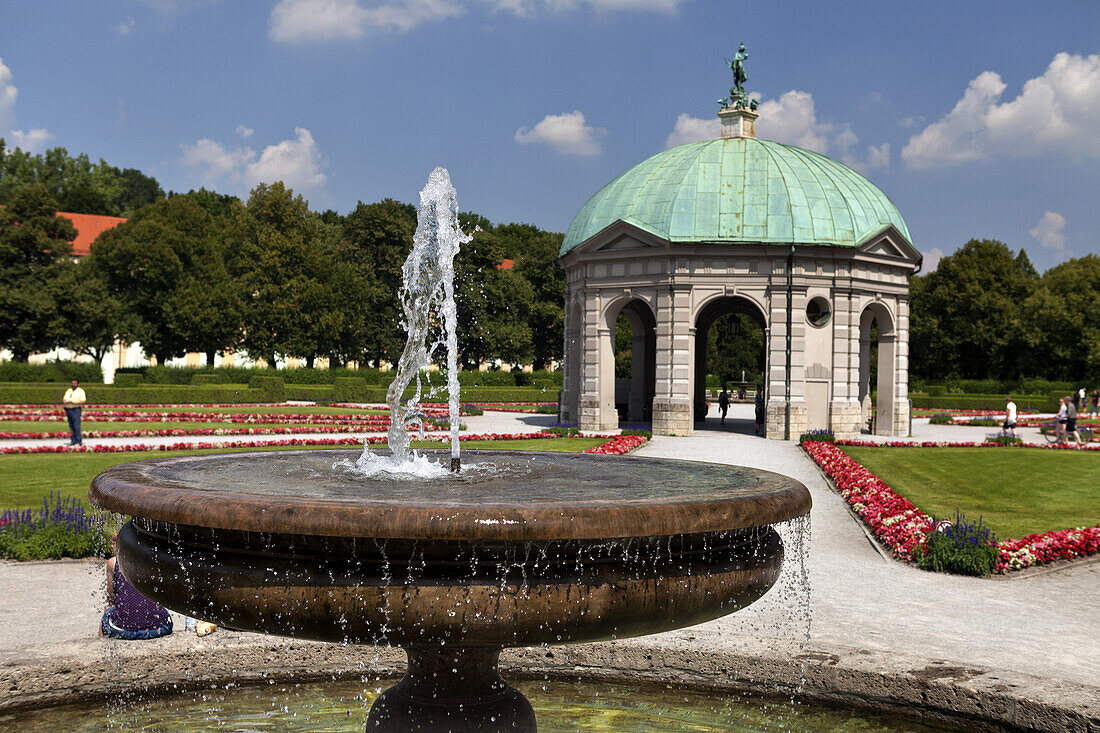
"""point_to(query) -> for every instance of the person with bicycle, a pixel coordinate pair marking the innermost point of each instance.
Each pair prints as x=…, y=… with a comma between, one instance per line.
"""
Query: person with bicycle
x=1010, y=417
x=1071, y=422
x=1060, y=420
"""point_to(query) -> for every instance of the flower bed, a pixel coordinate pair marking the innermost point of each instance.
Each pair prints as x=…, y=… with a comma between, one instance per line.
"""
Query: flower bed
x=618, y=446
x=902, y=528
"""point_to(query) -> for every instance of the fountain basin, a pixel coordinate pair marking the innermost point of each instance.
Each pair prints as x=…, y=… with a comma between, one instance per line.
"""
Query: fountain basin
x=518, y=549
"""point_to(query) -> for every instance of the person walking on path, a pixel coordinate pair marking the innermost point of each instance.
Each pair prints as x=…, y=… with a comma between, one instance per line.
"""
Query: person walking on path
x=74, y=400
x=1010, y=417
x=1095, y=408
x=724, y=404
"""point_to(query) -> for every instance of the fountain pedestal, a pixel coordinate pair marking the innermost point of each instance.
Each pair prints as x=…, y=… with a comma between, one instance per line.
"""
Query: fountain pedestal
x=518, y=549
x=452, y=688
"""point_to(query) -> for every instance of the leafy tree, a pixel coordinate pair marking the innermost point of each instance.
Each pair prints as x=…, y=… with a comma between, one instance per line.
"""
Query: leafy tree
x=971, y=305
x=218, y=205
x=280, y=259
x=535, y=253
x=1062, y=321
x=494, y=305
x=166, y=265
x=136, y=190
x=89, y=318
x=379, y=237
x=76, y=184
x=735, y=344
x=33, y=240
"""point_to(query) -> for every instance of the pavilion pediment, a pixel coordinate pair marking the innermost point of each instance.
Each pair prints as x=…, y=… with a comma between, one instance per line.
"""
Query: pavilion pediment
x=890, y=244
x=621, y=235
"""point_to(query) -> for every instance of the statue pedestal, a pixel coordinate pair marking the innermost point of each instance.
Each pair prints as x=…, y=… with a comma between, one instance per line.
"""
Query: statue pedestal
x=738, y=122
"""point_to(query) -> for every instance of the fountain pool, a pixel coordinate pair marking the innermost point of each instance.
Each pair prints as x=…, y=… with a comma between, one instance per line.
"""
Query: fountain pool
x=561, y=707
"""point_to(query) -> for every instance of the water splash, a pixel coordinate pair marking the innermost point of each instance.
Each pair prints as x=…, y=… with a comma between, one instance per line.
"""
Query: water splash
x=430, y=321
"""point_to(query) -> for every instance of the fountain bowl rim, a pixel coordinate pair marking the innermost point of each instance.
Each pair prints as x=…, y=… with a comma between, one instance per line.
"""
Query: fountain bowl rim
x=775, y=498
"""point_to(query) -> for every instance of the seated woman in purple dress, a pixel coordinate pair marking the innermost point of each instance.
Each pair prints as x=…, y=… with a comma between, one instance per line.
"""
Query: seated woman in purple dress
x=131, y=615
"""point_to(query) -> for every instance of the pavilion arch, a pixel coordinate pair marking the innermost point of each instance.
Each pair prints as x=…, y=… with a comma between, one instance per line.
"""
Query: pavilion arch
x=634, y=396
x=706, y=314
x=878, y=314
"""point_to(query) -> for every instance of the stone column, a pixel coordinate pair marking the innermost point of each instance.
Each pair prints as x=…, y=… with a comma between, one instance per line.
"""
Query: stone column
x=672, y=398
x=589, y=417
x=886, y=397
x=777, y=420
x=902, y=417
x=844, y=410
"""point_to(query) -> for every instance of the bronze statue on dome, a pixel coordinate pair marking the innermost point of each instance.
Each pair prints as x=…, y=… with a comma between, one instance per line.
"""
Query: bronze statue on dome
x=739, y=98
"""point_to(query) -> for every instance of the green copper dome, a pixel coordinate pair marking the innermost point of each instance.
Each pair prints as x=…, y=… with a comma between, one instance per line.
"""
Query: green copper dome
x=741, y=190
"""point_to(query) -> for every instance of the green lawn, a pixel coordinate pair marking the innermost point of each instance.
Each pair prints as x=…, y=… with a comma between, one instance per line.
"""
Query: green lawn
x=1016, y=491
x=25, y=479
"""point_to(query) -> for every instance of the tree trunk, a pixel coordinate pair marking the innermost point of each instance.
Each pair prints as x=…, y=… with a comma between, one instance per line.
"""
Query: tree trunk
x=309, y=361
x=210, y=357
x=20, y=355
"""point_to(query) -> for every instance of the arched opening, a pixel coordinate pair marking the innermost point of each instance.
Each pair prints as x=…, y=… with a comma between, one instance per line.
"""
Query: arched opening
x=635, y=354
x=730, y=352
x=877, y=354
x=569, y=410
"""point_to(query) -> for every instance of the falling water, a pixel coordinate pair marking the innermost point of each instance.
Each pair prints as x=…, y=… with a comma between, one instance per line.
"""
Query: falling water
x=430, y=320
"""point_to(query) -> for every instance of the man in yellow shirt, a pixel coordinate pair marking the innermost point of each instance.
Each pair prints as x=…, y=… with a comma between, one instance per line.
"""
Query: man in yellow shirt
x=74, y=400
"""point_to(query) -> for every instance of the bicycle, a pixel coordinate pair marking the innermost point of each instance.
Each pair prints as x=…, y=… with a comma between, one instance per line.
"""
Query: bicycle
x=1050, y=431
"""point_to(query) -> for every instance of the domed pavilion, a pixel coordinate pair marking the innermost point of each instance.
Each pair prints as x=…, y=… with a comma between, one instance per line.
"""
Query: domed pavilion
x=810, y=249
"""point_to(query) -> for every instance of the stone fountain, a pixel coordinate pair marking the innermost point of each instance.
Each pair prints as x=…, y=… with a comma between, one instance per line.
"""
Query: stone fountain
x=516, y=549
x=519, y=549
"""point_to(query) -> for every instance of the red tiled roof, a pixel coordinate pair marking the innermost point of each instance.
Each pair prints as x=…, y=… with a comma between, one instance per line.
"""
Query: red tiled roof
x=88, y=227
x=506, y=264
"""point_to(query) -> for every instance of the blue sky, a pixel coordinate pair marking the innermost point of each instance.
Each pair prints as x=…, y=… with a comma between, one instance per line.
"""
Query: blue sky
x=979, y=119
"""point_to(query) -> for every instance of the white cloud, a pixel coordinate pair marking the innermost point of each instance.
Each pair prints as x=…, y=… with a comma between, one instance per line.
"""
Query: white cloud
x=245, y=132
x=212, y=162
x=690, y=129
x=33, y=141
x=610, y=6
x=931, y=260
x=1051, y=235
x=298, y=21
x=126, y=27
x=791, y=119
x=296, y=162
x=566, y=133
x=1056, y=112
x=8, y=95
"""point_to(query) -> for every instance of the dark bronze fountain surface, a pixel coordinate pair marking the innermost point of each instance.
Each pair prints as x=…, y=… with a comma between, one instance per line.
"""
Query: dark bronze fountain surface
x=515, y=549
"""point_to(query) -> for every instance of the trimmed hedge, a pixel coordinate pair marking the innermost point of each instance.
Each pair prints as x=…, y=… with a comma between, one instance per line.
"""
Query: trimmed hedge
x=129, y=380
x=51, y=371
x=351, y=389
x=305, y=375
x=109, y=394
x=310, y=393
x=990, y=386
x=984, y=402
x=201, y=378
